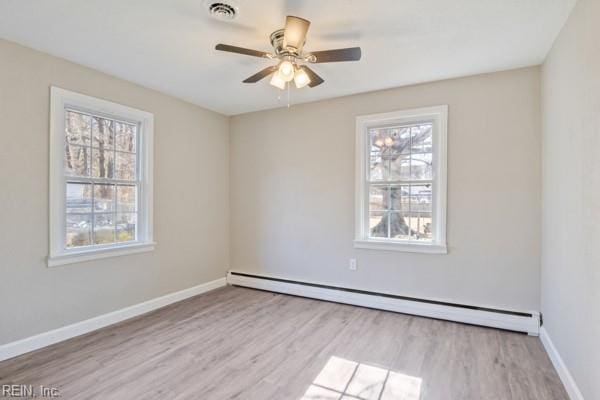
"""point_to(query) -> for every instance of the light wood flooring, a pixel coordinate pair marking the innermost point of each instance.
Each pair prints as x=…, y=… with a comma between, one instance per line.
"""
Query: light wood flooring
x=237, y=343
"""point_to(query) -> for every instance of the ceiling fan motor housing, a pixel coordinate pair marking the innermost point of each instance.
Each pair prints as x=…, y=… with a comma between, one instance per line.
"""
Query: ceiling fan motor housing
x=277, y=41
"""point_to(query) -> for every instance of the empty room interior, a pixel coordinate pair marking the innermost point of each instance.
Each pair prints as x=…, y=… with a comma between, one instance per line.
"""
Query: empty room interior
x=300, y=199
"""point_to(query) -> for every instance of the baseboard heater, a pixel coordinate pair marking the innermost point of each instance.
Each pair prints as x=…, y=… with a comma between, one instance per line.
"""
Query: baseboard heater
x=527, y=322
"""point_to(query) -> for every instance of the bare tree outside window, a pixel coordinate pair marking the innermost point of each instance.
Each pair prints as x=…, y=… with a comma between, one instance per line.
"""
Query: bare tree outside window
x=100, y=163
x=400, y=180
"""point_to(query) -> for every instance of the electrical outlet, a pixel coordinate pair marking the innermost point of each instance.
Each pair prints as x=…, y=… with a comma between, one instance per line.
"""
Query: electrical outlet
x=352, y=265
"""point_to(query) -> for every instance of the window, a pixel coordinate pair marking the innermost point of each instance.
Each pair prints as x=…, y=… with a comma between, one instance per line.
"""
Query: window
x=100, y=179
x=401, y=180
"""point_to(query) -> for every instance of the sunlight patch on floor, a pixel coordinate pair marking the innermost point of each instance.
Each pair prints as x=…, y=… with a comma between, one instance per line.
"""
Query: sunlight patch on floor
x=343, y=379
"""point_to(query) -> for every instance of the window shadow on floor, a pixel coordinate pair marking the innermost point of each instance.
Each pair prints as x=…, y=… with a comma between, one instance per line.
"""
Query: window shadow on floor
x=343, y=379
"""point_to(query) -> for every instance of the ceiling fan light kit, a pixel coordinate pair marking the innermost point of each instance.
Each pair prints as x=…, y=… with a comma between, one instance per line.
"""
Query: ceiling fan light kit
x=288, y=44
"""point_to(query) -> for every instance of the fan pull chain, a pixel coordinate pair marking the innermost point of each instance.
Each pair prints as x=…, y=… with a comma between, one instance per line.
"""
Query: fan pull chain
x=289, y=104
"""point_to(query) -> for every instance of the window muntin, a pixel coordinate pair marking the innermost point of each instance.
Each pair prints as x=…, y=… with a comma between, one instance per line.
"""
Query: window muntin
x=101, y=180
x=400, y=182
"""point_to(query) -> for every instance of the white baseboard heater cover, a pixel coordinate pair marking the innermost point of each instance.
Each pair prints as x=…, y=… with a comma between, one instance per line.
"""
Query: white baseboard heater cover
x=527, y=322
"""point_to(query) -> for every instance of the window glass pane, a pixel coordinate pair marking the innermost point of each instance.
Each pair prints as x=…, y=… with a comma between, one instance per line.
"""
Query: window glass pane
x=79, y=229
x=421, y=138
x=376, y=140
x=376, y=163
x=104, y=228
x=400, y=197
x=125, y=165
x=380, y=154
x=420, y=167
x=401, y=138
x=79, y=198
x=420, y=226
x=126, y=227
x=386, y=146
x=77, y=160
x=102, y=133
x=104, y=196
x=378, y=226
x=378, y=198
x=399, y=225
x=125, y=137
x=102, y=163
x=393, y=139
x=377, y=169
x=420, y=198
x=78, y=128
x=400, y=167
x=126, y=198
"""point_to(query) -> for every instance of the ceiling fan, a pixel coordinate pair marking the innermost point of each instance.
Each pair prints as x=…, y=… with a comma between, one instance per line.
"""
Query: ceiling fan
x=288, y=46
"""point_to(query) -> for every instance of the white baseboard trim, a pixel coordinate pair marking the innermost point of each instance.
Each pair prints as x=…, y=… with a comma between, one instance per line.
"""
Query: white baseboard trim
x=31, y=343
x=520, y=323
x=564, y=374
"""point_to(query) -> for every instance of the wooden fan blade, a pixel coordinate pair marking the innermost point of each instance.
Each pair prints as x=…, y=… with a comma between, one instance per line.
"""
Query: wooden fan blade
x=261, y=74
x=315, y=80
x=241, y=50
x=325, y=56
x=294, y=34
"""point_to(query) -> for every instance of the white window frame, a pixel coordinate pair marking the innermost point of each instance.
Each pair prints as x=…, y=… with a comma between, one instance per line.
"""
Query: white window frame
x=60, y=100
x=439, y=116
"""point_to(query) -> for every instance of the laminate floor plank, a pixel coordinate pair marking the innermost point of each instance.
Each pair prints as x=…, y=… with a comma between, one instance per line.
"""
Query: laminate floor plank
x=238, y=343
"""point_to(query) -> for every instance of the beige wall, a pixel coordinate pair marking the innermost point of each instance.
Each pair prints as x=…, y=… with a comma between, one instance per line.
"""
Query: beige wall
x=292, y=193
x=190, y=212
x=571, y=196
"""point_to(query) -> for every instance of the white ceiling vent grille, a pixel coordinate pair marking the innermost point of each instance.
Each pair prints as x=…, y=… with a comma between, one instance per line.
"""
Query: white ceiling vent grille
x=223, y=11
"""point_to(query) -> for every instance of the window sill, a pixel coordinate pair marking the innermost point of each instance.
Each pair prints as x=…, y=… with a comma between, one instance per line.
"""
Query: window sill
x=77, y=256
x=397, y=246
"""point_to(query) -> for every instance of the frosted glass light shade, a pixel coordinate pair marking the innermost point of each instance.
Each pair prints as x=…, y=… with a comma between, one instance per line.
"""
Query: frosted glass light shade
x=301, y=78
x=286, y=71
x=277, y=81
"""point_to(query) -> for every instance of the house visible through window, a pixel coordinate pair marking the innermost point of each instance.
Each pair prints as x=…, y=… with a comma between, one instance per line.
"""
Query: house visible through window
x=401, y=182
x=102, y=187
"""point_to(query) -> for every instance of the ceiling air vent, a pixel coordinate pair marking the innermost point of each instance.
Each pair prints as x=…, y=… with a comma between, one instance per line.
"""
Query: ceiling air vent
x=222, y=11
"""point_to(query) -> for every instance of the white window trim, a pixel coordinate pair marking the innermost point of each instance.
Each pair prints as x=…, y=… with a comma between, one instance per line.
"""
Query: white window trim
x=58, y=254
x=439, y=114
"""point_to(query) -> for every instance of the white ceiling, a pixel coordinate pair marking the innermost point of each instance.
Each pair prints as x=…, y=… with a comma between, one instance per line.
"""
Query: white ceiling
x=169, y=45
